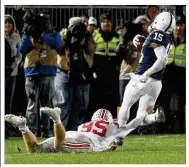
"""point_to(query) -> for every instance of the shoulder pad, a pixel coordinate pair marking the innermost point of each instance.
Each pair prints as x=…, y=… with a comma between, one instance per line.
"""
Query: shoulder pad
x=157, y=37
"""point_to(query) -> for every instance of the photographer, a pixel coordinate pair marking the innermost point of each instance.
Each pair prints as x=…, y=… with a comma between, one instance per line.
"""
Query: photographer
x=40, y=44
x=73, y=83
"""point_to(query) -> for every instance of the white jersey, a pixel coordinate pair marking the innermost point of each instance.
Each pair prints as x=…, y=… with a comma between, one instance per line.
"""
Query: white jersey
x=100, y=131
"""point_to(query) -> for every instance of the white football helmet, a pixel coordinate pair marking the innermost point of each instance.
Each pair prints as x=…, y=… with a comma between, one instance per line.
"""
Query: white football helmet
x=102, y=114
x=164, y=21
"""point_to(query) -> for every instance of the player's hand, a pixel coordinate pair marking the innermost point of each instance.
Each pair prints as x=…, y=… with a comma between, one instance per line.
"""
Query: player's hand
x=137, y=42
x=149, y=110
x=143, y=78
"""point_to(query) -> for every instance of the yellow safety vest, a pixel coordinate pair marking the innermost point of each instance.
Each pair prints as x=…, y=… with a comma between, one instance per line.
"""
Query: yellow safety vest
x=105, y=48
x=178, y=55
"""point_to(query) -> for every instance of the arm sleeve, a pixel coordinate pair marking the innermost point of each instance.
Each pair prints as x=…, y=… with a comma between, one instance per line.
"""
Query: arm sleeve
x=161, y=61
x=54, y=41
x=25, y=46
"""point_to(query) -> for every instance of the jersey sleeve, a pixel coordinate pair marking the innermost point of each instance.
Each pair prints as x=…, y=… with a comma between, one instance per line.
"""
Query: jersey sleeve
x=158, y=37
x=110, y=129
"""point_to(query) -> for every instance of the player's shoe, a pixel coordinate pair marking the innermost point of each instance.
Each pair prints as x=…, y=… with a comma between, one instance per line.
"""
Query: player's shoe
x=17, y=121
x=120, y=141
x=53, y=113
x=160, y=115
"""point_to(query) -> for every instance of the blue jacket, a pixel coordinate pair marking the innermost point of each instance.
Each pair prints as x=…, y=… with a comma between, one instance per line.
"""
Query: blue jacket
x=41, y=61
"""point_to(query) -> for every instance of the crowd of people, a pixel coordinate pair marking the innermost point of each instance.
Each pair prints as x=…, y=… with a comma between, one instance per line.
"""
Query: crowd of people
x=87, y=66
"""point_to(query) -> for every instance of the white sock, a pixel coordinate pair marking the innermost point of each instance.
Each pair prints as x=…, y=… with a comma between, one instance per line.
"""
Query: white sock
x=149, y=119
x=57, y=121
x=24, y=129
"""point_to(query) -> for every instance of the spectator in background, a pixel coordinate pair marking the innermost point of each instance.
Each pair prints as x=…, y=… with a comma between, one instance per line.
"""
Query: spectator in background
x=152, y=12
x=85, y=19
x=120, y=29
x=61, y=80
x=40, y=69
x=8, y=59
x=145, y=23
x=19, y=105
x=105, y=89
x=12, y=60
x=173, y=94
x=73, y=80
x=92, y=24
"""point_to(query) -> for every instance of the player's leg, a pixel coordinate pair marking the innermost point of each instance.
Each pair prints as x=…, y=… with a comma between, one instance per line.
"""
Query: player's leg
x=59, y=130
x=29, y=138
x=152, y=92
x=131, y=95
x=30, y=141
x=144, y=102
x=46, y=146
x=77, y=142
x=157, y=116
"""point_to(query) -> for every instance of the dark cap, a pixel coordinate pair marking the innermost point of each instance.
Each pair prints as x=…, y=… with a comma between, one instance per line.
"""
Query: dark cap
x=181, y=19
x=105, y=16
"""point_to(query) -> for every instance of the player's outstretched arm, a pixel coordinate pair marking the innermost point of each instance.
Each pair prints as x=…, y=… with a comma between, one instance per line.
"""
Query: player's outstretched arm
x=124, y=131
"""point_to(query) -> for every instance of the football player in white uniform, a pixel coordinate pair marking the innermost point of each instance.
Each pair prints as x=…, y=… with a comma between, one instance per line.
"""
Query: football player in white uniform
x=100, y=134
x=145, y=85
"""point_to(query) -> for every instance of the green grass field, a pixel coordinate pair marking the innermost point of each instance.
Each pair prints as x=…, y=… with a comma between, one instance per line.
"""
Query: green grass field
x=145, y=149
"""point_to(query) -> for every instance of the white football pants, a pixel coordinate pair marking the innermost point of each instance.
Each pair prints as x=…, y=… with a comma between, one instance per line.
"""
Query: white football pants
x=147, y=94
x=74, y=142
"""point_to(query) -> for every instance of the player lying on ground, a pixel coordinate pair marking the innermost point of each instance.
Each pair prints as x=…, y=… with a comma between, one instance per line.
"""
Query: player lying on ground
x=100, y=134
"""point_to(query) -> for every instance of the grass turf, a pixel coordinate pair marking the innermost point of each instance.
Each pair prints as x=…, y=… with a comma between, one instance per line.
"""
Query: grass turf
x=145, y=149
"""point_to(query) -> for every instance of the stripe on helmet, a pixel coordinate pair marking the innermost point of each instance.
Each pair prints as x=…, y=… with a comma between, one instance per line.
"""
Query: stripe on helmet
x=103, y=113
x=170, y=22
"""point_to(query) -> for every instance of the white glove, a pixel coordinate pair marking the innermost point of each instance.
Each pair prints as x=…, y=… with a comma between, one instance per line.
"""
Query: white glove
x=136, y=41
x=143, y=78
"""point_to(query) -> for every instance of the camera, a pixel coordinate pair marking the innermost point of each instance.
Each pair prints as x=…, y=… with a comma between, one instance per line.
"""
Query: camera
x=76, y=34
x=34, y=23
x=131, y=30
